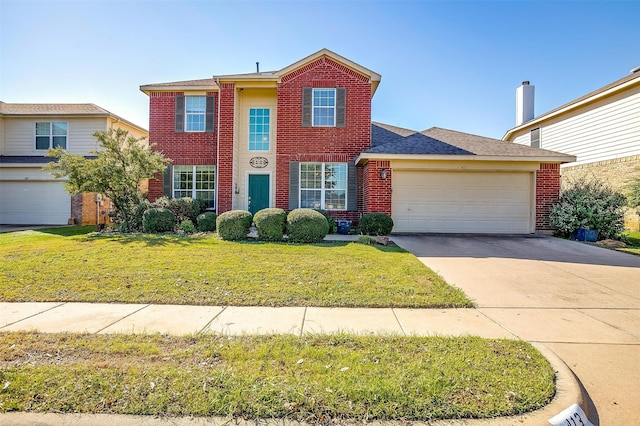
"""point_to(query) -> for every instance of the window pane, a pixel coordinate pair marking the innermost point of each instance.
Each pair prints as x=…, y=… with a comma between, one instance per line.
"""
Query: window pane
x=43, y=129
x=59, y=129
x=310, y=199
x=60, y=141
x=335, y=200
x=42, y=142
x=195, y=104
x=259, y=136
x=310, y=175
x=335, y=176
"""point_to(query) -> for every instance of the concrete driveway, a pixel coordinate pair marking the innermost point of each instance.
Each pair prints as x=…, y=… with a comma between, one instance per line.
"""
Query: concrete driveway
x=581, y=301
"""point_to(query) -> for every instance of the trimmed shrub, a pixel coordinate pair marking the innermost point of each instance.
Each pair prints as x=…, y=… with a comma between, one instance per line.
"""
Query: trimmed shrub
x=187, y=226
x=333, y=228
x=306, y=226
x=375, y=224
x=184, y=208
x=158, y=220
x=234, y=225
x=270, y=224
x=591, y=204
x=206, y=221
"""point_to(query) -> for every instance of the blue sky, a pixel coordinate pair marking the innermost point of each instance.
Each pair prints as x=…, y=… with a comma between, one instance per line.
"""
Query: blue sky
x=453, y=64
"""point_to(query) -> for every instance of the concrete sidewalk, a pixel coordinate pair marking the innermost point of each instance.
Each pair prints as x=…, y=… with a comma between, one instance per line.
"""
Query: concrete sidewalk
x=183, y=320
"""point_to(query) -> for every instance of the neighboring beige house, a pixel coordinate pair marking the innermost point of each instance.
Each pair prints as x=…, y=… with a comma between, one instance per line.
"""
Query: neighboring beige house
x=30, y=196
x=602, y=129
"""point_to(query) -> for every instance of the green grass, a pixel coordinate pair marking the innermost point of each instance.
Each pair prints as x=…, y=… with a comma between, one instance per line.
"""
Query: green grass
x=313, y=378
x=634, y=243
x=72, y=264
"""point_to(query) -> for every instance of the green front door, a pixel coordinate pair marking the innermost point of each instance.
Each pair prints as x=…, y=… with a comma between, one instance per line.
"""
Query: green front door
x=258, y=193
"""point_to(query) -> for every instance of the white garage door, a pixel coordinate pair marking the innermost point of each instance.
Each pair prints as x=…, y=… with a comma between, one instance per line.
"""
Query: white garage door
x=462, y=202
x=34, y=203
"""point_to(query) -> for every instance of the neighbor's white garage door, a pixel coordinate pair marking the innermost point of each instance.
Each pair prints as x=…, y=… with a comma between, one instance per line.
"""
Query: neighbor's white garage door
x=462, y=202
x=34, y=203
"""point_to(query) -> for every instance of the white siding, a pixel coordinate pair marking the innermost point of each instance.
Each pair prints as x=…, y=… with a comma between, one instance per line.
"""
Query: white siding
x=20, y=134
x=605, y=130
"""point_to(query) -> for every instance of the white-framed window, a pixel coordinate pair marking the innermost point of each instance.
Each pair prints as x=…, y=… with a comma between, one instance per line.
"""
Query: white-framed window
x=195, y=182
x=195, y=113
x=323, y=186
x=51, y=134
x=324, y=107
x=259, y=129
x=535, y=137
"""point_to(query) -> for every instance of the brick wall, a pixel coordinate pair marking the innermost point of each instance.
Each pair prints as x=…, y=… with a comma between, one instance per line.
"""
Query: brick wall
x=328, y=144
x=617, y=173
x=376, y=191
x=185, y=148
x=547, y=193
x=83, y=209
x=224, y=176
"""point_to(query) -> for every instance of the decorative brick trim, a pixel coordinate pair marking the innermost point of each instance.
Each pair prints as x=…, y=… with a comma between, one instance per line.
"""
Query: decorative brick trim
x=323, y=61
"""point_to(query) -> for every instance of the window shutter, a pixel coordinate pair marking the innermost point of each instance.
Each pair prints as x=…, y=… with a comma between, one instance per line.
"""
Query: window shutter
x=294, y=184
x=167, y=181
x=210, y=112
x=352, y=187
x=179, y=121
x=341, y=101
x=307, y=104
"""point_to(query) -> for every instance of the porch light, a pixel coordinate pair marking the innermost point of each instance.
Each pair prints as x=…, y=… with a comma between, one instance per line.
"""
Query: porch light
x=383, y=174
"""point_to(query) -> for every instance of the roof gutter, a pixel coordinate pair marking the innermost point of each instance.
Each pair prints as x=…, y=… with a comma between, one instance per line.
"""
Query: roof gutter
x=365, y=157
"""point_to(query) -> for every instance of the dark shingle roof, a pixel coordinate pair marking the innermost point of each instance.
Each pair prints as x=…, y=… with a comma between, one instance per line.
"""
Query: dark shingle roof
x=32, y=159
x=387, y=139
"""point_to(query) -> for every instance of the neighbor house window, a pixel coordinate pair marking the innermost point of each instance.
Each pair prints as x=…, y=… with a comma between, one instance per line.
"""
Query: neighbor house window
x=195, y=113
x=535, y=137
x=195, y=182
x=51, y=135
x=323, y=186
x=259, y=129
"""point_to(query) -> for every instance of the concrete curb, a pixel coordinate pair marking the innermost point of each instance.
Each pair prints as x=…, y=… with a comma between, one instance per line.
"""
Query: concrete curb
x=568, y=392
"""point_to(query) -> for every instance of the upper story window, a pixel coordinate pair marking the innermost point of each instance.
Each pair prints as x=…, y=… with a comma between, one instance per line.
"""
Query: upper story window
x=194, y=114
x=195, y=111
x=51, y=135
x=259, y=129
x=535, y=137
x=323, y=107
x=323, y=186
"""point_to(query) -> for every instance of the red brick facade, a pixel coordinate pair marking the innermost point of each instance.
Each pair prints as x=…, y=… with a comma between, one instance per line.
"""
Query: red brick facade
x=376, y=190
x=184, y=148
x=327, y=144
x=547, y=193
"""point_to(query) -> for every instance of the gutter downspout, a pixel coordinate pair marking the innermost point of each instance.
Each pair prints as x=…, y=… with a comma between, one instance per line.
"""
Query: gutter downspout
x=217, y=80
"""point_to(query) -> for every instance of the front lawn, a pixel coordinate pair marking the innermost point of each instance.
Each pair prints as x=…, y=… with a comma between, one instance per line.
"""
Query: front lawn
x=634, y=243
x=71, y=264
x=314, y=378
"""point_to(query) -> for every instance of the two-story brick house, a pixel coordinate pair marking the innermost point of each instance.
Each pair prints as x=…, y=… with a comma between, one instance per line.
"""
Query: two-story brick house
x=302, y=137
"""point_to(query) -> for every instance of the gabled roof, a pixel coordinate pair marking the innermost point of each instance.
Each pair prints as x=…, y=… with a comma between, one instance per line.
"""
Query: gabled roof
x=265, y=76
x=66, y=110
x=612, y=88
x=391, y=142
